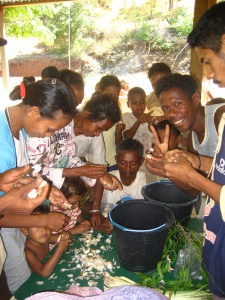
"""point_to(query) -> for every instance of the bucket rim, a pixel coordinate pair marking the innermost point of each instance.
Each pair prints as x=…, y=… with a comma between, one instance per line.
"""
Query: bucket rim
x=126, y=229
x=169, y=204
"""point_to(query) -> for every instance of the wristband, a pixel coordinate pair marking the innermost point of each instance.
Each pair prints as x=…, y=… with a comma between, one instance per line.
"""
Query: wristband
x=94, y=211
x=222, y=202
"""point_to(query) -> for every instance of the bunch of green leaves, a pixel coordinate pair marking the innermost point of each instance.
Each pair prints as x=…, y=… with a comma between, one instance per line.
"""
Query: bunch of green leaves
x=181, y=22
x=178, y=237
x=80, y=24
x=26, y=21
x=148, y=33
x=145, y=32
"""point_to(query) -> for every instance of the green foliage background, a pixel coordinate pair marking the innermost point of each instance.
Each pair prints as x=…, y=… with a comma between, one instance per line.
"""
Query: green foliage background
x=50, y=24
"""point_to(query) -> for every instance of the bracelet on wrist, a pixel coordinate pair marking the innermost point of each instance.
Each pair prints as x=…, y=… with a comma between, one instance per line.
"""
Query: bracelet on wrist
x=94, y=211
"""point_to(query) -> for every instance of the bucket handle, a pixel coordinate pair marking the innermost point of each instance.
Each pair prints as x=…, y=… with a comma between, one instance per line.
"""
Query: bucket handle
x=133, y=230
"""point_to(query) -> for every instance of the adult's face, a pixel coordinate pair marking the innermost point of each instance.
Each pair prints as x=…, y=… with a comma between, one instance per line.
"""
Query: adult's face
x=214, y=63
x=92, y=129
x=178, y=108
x=37, y=126
x=128, y=164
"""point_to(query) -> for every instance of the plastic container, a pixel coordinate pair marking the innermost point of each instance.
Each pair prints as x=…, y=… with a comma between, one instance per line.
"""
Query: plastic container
x=168, y=194
x=140, y=230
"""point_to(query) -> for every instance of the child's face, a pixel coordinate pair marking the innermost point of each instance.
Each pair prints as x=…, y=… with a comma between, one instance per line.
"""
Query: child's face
x=79, y=94
x=39, y=235
x=137, y=104
x=128, y=164
x=155, y=78
x=173, y=140
x=75, y=201
x=113, y=91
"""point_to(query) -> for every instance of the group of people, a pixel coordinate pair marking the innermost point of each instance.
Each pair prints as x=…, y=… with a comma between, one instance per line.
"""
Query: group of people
x=100, y=152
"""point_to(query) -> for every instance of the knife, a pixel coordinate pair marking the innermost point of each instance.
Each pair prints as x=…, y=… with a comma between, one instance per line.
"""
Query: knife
x=29, y=173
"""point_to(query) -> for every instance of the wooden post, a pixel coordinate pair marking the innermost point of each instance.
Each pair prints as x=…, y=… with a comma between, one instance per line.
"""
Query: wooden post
x=5, y=65
x=201, y=6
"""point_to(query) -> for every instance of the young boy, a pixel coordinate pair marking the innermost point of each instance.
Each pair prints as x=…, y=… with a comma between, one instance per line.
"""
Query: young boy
x=37, y=247
x=129, y=158
x=110, y=85
x=157, y=71
x=137, y=122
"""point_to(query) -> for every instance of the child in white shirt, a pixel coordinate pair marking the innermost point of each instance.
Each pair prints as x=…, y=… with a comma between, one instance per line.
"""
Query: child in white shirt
x=137, y=122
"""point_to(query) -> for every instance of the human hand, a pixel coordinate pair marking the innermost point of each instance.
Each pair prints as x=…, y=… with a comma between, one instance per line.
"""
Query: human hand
x=178, y=169
x=63, y=245
x=145, y=118
x=17, y=201
x=95, y=218
x=57, y=198
x=164, y=146
x=56, y=220
x=175, y=154
x=106, y=226
x=95, y=171
x=154, y=165
x=110, y=182
x=82, y=227
x=9, y=179
x=66, y=235
x=120, y=126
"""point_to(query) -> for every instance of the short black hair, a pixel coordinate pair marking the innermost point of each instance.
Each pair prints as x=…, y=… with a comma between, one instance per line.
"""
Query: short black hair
x=130, y=145
x=109, y=80
x=68, y=76
x=101, y=107
x=73, y=186
x=136, y=90
x=162, y=126
x=209, y=29
x=186, y=83
x=50, y=72
x=159, y=68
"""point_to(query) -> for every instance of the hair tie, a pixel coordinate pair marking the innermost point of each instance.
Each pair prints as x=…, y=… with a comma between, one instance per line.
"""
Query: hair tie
x=22, y=90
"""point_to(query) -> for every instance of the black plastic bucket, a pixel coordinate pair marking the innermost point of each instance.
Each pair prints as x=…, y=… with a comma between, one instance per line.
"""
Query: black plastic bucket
x=168, y=194
x=140, y=230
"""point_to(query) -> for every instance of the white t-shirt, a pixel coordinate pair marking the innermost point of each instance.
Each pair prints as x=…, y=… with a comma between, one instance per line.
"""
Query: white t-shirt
x=143, y=133
x=110, y=145
x=109, y=198
x=91, y=147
